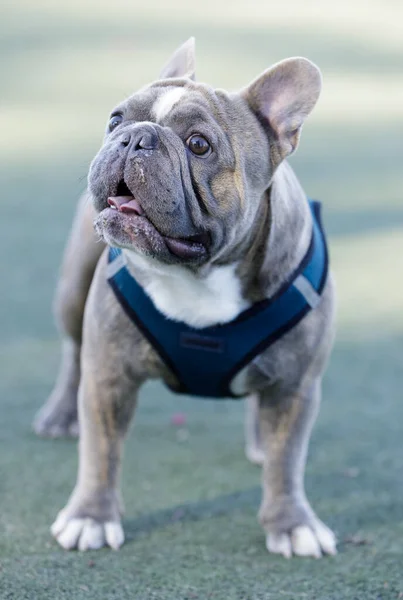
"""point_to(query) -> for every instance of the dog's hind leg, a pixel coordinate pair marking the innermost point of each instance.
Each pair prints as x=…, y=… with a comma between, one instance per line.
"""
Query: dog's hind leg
x=58, y=416
x=253, y=444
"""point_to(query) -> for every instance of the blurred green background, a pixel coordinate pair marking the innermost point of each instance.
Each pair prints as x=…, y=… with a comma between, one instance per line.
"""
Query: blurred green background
x=191, y=497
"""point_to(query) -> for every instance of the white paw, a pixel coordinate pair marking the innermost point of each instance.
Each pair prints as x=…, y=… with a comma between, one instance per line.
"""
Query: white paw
x=53, y=425
x=304, y=540
x=57, y=431
x=86, y=534
x=255, y=455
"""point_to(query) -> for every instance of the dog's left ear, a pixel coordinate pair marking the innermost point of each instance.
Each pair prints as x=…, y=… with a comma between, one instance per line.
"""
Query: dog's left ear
x=182, y=62
x=282, y=97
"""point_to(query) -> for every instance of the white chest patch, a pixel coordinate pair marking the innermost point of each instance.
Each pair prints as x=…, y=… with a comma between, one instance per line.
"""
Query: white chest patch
x=166, y=102
x=182, y=296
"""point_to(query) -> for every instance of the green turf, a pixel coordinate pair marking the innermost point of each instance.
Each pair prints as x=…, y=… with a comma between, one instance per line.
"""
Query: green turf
x=191, y=500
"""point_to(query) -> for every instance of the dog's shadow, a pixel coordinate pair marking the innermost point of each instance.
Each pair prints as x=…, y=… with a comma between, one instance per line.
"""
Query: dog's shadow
x=345, y=524
x=197, y=511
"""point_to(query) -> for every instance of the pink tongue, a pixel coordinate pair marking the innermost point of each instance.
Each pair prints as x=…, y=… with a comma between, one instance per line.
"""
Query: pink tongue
x=125, y=204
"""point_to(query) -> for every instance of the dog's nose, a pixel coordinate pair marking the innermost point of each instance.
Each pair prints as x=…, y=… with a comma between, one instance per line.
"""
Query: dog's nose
x=125, y=141
x=141, y=138
x=147, y=141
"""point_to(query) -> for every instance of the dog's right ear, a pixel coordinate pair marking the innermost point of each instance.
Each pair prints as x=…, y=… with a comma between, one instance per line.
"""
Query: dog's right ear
x=182, y=62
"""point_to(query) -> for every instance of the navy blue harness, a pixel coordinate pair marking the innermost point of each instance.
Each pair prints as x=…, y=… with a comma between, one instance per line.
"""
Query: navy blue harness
x=206, y=360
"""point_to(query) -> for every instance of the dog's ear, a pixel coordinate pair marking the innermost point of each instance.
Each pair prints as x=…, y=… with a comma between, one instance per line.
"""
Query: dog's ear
x=282, y=97
x=182, y=62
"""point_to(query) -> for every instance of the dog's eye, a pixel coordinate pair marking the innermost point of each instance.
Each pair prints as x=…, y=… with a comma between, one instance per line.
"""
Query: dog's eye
x=198, y=145
x=115, y=120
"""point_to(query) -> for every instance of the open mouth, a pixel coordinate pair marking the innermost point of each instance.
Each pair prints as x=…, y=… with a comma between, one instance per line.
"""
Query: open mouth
x=127, y=205
x=124, y=201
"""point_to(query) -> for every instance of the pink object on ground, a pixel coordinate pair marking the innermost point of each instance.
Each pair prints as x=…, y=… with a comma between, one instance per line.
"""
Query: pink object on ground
x=178, y=419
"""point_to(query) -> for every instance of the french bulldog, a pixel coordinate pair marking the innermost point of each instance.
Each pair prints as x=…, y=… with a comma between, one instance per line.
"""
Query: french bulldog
x=192, y=185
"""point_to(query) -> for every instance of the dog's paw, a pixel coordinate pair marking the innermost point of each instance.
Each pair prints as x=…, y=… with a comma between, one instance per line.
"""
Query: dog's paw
x=255, y=455
x=53, y=422
x=86, y=533
x=90, y=521
x=312, y=540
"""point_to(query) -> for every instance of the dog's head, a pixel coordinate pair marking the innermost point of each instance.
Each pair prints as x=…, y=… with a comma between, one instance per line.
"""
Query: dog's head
x=182, y=174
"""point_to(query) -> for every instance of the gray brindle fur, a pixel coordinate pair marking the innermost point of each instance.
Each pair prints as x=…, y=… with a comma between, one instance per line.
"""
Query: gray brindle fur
x=216, y=234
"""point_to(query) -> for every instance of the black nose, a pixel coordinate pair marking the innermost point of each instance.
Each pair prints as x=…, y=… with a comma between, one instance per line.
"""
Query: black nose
x=148, y=141
x=141, y=138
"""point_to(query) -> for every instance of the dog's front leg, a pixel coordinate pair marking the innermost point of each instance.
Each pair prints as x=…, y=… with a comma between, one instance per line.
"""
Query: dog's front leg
x=91, y=519
x=290, y=524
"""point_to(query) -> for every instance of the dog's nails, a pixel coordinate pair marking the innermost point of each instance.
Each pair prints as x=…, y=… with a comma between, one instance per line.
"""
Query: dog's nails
x=304, y=542
x=279, y=544
x=92, y=536
x=70, y=535
x=59, y=524
x=114, y=535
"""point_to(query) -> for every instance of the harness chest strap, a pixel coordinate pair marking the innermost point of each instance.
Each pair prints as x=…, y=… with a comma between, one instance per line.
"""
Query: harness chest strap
x=205, y=361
